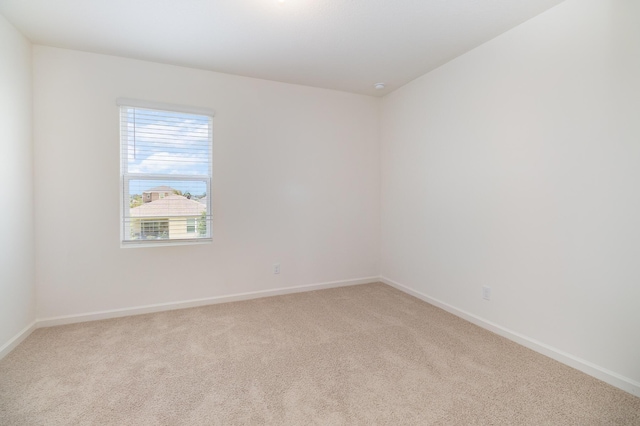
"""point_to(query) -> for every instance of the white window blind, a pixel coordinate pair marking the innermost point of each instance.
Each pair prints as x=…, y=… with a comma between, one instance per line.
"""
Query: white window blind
x=165, y=173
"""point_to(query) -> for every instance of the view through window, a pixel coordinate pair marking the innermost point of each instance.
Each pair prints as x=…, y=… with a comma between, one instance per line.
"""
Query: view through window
x=166, y=174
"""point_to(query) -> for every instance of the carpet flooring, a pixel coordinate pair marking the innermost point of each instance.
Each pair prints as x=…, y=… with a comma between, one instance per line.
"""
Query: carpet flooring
x=360, y=355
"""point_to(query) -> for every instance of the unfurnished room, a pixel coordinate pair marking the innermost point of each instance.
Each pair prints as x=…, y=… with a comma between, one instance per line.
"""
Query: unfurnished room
x=320, y=212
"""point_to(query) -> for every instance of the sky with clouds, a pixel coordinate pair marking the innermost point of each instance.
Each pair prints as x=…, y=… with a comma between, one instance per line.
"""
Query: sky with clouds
x=167, y=143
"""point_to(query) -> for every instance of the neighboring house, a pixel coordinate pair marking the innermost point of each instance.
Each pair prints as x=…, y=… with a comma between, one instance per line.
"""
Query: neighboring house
x=203, y=200
x=157, y=193
x=172, y=216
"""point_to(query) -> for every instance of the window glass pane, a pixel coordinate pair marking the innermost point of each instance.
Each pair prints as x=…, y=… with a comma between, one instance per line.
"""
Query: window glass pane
x=165, y=142
x=166, y=209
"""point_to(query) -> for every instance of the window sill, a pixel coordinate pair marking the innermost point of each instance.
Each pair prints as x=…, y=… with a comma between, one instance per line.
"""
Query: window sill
x=165, y=243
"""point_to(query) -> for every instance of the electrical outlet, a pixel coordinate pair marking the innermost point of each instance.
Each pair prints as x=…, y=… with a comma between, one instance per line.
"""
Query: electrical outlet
x=486, y=292
x=276, y=268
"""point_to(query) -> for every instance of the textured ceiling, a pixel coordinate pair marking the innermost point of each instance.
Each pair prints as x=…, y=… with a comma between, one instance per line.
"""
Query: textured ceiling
x=337, y=44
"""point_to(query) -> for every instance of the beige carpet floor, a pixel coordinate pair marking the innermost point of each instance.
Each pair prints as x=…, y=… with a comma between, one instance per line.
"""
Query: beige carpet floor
x=361, y=355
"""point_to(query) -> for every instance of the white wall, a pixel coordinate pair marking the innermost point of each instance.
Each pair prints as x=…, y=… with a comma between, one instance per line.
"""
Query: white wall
x=295, y=181
x=17, y=285
x=517, y=165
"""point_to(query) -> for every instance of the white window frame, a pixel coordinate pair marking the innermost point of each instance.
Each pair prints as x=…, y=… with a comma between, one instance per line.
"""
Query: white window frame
x=126, y=177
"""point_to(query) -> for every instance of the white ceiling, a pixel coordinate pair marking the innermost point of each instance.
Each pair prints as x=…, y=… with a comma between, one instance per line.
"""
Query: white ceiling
x=337, y=44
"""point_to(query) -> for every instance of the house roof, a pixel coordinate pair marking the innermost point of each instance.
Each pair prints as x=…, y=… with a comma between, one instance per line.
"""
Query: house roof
x=172, y=205
x=163, y=188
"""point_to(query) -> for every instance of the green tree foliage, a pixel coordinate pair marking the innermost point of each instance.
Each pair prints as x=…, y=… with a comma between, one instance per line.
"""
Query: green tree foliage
x=184, y=194
x=135, y=201
x=202, y=224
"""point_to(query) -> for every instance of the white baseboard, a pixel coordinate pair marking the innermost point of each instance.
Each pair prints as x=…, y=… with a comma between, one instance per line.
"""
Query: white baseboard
x=587, y=367
x=15, y=340
x=138, y=310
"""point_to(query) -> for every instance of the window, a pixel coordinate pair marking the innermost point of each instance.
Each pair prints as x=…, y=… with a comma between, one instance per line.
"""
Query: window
x=154, y=229
x=191, y=225
x=166, y=156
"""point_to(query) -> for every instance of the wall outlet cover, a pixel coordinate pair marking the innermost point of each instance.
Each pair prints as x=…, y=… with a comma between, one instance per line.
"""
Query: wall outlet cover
x=486, y=292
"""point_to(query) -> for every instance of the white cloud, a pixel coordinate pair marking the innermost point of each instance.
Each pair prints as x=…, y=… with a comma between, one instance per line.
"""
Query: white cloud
x=166, y=146
x=171, y=163
x=186, y=135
